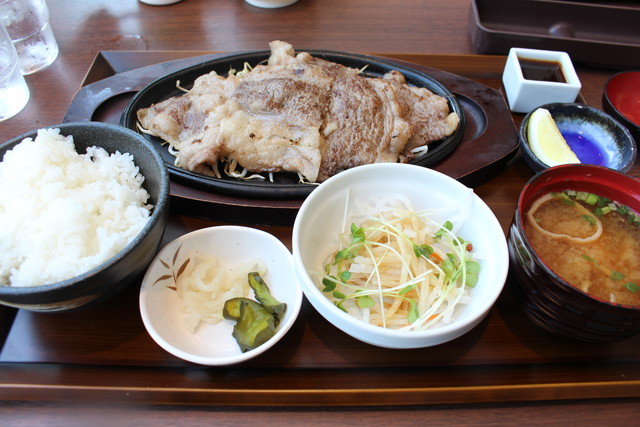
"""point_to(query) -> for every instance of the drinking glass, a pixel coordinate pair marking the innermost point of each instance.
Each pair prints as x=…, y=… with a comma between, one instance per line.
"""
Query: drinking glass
x=14, y=93
x=27, y=22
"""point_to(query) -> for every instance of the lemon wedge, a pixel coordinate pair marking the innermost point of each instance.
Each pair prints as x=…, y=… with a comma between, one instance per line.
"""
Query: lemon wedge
x=546, y=141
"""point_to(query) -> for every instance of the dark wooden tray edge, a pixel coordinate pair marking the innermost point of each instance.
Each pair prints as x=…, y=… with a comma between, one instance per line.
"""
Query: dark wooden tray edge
x=197, y=387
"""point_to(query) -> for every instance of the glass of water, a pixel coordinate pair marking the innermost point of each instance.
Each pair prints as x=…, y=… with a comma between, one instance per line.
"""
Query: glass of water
x=14, y=93
x=27, y=22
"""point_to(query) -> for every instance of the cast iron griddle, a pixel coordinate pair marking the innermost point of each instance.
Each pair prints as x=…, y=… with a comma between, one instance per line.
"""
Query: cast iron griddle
x=284, y=185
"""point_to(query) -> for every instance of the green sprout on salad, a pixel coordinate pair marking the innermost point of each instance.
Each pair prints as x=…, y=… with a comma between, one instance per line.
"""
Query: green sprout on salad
x=455, y=268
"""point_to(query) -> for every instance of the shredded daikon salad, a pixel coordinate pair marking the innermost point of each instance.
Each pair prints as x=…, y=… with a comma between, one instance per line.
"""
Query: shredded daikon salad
x=207, y=283
x=400, y=269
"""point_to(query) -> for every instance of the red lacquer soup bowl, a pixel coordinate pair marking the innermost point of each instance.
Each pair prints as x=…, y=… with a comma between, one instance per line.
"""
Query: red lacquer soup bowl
x=549, y=301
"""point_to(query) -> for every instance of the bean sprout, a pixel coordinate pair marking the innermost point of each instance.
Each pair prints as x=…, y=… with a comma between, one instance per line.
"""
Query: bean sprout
x=398, y=268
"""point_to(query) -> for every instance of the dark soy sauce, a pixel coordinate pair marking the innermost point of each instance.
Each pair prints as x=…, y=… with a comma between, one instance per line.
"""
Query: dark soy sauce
x=546, y=71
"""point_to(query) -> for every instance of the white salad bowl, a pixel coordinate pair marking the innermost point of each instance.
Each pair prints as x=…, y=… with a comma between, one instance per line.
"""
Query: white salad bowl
x=321, y=219
x=212, y=344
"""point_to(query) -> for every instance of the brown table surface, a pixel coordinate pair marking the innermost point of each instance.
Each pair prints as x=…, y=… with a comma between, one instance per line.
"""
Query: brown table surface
x=505, y=371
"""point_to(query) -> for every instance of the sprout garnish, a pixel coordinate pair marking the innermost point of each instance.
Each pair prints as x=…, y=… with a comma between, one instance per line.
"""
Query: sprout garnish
x=400, y=269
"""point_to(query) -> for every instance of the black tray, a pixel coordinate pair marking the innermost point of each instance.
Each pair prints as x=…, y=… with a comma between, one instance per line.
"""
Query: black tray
x=605, y=34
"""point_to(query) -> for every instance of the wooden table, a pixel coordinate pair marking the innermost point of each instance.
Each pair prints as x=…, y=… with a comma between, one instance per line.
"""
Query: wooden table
x=107, y=367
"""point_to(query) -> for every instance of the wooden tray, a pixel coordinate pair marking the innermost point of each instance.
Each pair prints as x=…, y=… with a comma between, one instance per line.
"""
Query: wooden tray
x=490, y=138
x=103, y=353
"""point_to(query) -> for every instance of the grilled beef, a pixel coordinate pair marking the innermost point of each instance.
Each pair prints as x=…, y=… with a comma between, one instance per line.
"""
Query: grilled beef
x=301, y=114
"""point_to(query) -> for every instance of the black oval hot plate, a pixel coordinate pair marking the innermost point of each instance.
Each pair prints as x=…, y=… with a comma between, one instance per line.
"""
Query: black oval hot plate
x=284, y=185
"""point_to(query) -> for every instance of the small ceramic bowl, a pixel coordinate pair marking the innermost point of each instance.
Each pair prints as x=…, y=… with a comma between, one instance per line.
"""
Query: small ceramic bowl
x=549, y=301
x=271, y=4
x=534, y=77
x=128, y=265
x=160, y=2
x=621, y=99
x=321, y=220
x=594, y=136
x=161, y=307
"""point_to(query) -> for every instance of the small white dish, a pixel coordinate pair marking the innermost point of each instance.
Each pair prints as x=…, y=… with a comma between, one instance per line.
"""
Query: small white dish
x=213, y=344
x=526, y=94
x=270, y=4
x=160, y=2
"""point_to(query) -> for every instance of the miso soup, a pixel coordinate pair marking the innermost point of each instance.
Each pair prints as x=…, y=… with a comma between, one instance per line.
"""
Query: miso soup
x=589, y=241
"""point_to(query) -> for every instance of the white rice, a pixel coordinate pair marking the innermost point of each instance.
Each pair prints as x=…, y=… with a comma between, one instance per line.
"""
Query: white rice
x=64, y=213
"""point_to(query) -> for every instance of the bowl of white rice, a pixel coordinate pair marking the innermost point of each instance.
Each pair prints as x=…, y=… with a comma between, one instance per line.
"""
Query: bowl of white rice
x=83, y=208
